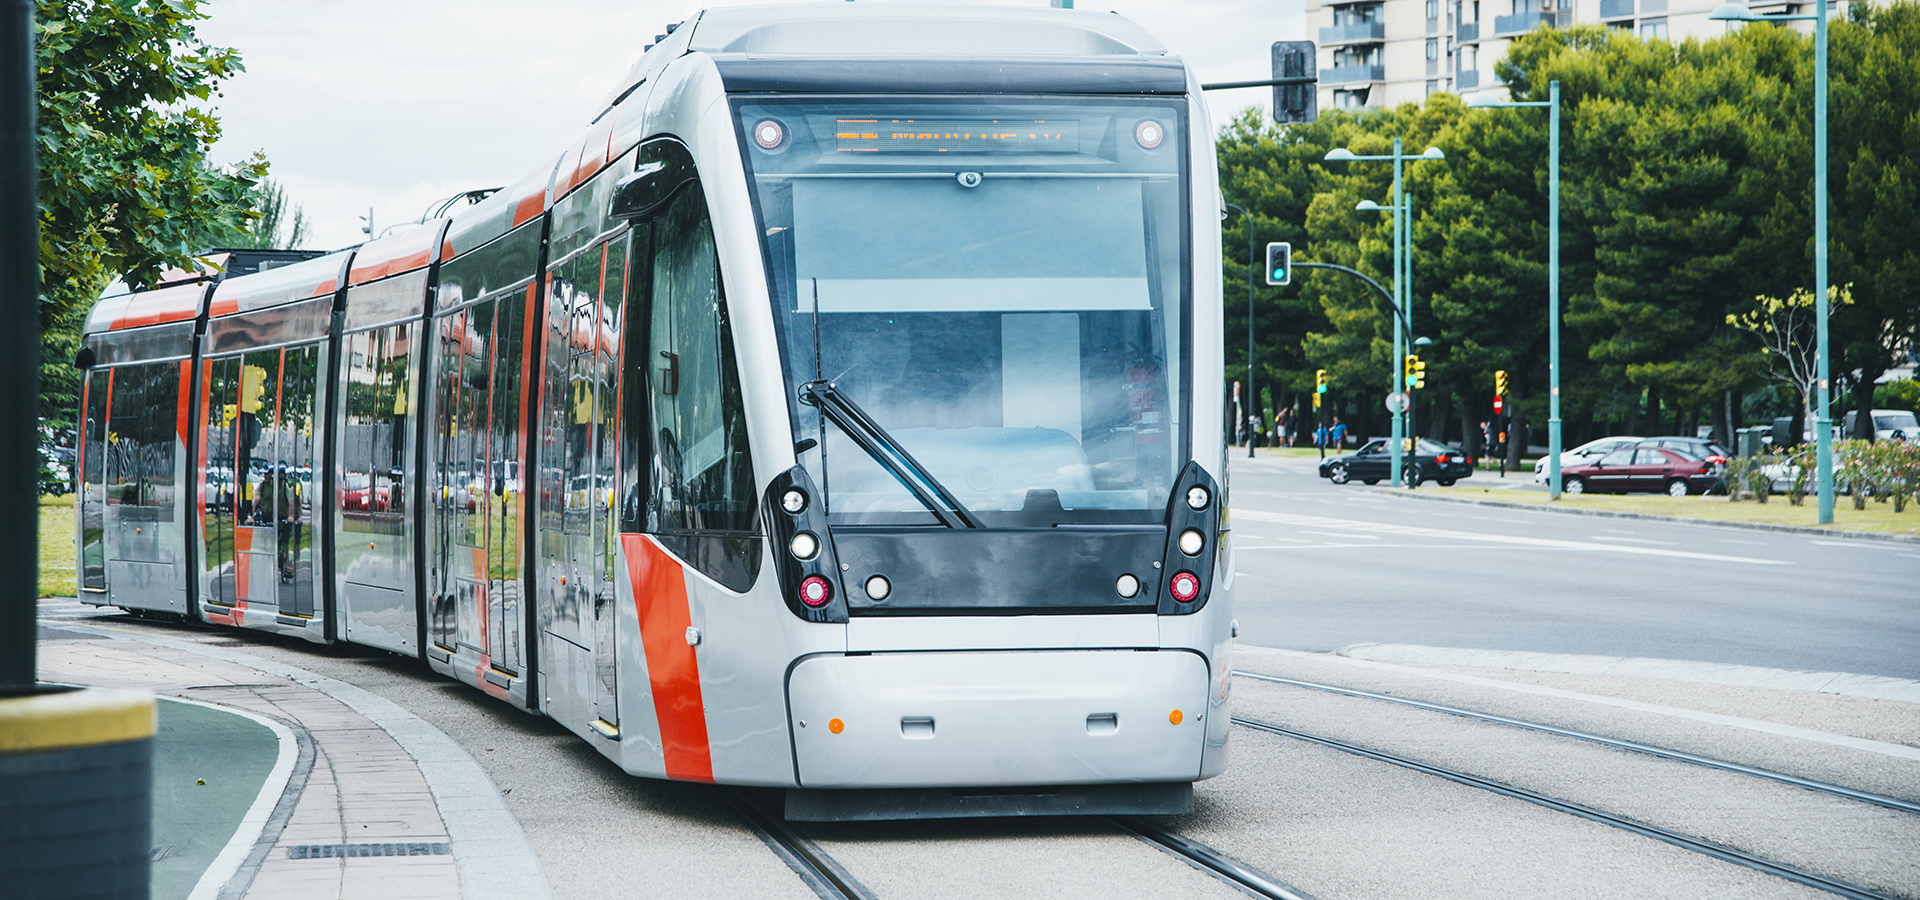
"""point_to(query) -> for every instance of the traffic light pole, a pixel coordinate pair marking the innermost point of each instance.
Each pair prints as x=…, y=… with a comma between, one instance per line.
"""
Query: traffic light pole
x=19, y=353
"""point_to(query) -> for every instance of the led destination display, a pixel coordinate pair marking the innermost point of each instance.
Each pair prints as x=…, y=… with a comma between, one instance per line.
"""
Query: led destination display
x=881, y=135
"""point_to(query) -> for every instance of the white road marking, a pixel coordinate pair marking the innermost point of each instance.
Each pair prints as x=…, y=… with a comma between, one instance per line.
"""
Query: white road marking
x=1840, y=740
x=1861, y=545
x=1602, y=537
x=1350, y=529
x=1750, y=543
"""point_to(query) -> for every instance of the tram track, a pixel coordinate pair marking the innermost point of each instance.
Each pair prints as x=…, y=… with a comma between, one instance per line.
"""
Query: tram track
x=1238, y=874
x=821, y=873
x=1836, y=790
x=1634, y=826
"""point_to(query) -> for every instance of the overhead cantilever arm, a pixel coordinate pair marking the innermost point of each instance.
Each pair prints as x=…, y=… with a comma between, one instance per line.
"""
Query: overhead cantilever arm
x=856, y=424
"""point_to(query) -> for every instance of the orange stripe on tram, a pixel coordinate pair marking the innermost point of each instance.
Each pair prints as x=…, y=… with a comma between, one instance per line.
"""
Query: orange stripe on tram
x=660, y=594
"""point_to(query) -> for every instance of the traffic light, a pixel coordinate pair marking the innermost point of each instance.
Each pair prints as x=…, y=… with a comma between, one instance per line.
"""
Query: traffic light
x=253, y=388
x=1319, y=386
x=1416, y=372
x=1294, y=103
x=1500, y=383
x=1279, y=263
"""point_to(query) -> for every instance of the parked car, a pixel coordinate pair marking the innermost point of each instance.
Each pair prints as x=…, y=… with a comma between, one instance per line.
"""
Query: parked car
x=1643, y=468
x=1887, y=423
x=1372, y=463
x=1584, y=453
x=1706, y=449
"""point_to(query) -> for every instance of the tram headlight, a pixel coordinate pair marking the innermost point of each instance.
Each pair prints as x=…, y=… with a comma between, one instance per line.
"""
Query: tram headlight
x=1192, y=542
x=816, y=591
x=804, y=546
x=1198, y=498
x=794, y=501
x=1185, y=587
x=1149, y=134
x=1126, y=586
x=878, y=587
x=769, y=134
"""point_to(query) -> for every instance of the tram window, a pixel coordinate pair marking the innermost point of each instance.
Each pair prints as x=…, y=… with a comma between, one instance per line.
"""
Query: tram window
x=606, y=387
x=373, y=442
x=581, y=351
x=504, y=440
x=141, y=438
x=636, y=483
x=703, y=474
x=1020, y=332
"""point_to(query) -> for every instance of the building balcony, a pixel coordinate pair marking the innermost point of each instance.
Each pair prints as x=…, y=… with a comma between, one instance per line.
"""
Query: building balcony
x=1353, y=31
x=1466, y=80
x=1613, y=9
x=1347, y=74
x=1524, y=22
x=1467, y=33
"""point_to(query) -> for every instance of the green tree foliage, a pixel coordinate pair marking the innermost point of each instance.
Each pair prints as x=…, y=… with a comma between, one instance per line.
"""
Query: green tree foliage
x=1686, y=193
x=125, y=185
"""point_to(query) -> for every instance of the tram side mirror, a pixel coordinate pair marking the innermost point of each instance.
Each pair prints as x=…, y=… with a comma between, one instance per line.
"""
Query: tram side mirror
x=84, y=359
x=664, y=167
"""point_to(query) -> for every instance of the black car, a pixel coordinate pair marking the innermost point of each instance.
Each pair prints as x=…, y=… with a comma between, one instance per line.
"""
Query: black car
x=1372, y=463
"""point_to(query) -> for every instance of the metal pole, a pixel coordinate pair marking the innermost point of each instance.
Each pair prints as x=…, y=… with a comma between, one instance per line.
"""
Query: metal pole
x=1399, y=354
x=1553, y=292
x=1413, y=428
x=1823, y=437
x=19, y=352
x=1254, y=264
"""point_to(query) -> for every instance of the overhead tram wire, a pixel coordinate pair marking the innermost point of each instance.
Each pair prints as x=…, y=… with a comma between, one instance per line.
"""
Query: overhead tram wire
x=1894, y=803
x=1677, y=839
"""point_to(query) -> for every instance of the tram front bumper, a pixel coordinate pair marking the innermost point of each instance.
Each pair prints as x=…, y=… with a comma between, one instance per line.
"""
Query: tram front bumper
x=983, y=719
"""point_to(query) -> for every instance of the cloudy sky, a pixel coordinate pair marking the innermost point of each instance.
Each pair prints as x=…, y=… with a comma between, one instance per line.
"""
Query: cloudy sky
x=395, y=104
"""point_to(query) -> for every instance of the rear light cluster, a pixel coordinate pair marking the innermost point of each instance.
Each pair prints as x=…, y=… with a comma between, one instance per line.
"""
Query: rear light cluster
x=1444, y=458
x=808, y=567
x=1193, y=522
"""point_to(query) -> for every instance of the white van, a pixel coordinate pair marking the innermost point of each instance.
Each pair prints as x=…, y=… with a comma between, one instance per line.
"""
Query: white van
x=1887, y=423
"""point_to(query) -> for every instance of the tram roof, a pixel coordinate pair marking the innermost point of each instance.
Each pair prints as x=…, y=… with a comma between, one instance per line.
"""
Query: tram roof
x=891, y=30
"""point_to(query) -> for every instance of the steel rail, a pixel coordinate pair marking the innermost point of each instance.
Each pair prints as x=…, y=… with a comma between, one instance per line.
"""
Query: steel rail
x=1707, y=761
x=820, y=871
x=1211, y=861
x=1683, y=841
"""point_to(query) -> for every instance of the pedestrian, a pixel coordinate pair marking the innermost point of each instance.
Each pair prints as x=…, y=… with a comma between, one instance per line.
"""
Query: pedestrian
x=1320, y=436
x=1337, y=436
x=1284, y=424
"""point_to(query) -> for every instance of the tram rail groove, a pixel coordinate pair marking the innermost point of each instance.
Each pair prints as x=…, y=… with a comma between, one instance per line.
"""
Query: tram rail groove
x=1248, y=879
x=816, y=868
x=1824, y=787
x=1677, y=839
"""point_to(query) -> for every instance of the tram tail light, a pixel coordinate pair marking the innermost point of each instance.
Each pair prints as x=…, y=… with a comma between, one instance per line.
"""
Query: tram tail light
x=816, y=591
x=1185, y=587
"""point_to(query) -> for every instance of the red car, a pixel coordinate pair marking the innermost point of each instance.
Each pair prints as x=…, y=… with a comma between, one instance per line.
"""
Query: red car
x=1642, y=468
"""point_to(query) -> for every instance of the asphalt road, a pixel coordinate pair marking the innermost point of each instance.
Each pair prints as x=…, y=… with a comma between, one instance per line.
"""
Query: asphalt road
x=1320, y=566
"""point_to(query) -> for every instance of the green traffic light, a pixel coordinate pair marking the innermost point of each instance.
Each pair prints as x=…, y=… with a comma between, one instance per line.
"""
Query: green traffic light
x=1280, y=274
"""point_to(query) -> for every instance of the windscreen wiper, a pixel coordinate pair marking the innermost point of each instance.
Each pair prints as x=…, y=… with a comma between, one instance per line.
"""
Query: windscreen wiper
x=856, y=424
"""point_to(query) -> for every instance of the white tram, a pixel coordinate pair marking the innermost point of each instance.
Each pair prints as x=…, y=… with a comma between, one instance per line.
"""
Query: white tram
x=840, y=413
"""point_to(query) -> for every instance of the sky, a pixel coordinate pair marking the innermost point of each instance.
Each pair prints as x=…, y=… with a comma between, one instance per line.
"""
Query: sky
x=391, y=106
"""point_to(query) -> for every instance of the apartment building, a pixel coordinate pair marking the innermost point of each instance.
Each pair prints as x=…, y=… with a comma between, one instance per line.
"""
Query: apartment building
x=1378, y=53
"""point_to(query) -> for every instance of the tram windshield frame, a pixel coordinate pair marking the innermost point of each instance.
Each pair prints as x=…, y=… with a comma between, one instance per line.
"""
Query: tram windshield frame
x=1003, y=284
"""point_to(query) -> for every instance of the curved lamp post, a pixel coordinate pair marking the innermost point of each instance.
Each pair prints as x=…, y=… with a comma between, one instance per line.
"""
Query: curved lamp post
x=1822, y=417
x=1552, y=103
x=1402, y=260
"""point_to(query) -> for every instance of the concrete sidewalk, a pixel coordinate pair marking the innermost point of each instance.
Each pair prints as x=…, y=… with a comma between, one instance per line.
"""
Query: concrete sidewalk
x=364, y=811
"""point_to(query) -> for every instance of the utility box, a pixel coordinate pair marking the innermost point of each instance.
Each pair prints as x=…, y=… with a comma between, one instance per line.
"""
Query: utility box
x=1749, y=443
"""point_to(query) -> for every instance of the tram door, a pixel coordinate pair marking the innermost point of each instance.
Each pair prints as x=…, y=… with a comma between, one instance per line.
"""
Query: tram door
x=374, y=465
x=578, y=532
x=475, y=546
x=257, y=495
x=93, y=487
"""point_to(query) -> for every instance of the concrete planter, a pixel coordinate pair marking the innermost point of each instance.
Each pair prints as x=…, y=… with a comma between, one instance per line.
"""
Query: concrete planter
x=76, y=793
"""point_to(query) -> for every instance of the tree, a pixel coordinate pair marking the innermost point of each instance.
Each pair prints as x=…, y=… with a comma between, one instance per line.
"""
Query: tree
x=125, y=186
x=278, y=223
x=1785, y=328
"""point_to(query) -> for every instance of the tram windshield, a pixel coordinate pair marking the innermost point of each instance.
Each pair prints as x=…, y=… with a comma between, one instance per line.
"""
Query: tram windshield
x=999, y=286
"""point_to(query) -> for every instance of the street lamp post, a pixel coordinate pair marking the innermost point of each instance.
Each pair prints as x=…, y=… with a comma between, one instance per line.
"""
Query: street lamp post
x=1822, y=418
x=1253, y=265
x=1552, y=104
x=1400, y=265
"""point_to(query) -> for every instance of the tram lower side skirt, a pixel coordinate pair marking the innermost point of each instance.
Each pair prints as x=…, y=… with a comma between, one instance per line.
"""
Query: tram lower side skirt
x=879, y=804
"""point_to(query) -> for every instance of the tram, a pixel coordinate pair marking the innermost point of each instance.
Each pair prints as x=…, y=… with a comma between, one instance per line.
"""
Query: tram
x=839, y=413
